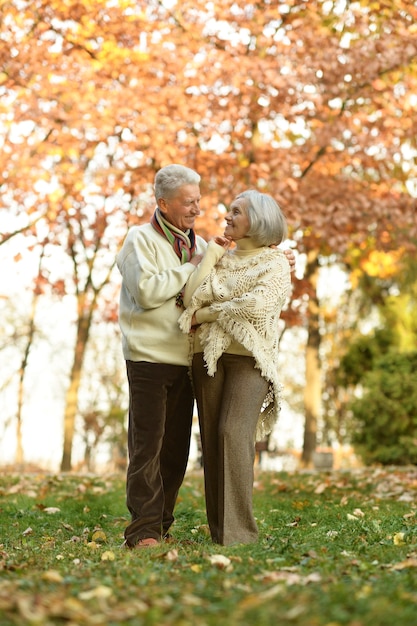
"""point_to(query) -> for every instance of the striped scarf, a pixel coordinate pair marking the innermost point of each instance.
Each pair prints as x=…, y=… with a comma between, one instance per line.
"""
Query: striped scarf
x=184, y=245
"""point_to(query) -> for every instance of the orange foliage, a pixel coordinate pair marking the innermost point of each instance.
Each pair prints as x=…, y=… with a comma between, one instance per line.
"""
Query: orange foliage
x=382, y=264
x=297, y=99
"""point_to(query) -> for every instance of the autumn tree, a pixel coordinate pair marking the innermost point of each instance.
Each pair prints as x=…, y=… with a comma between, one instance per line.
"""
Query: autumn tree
x=309, y=101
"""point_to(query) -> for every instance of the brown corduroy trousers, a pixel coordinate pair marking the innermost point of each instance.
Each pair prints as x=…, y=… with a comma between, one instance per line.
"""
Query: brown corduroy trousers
x=160, y=415
x=228, y=407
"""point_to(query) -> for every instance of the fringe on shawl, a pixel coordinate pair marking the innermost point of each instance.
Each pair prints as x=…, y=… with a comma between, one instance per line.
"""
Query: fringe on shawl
x=271, y=408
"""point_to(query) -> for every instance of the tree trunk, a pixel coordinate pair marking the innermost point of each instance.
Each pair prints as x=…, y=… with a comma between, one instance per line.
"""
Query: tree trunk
x=19, y=456
x=71, y=402
x=312, y=391
x=86, y=305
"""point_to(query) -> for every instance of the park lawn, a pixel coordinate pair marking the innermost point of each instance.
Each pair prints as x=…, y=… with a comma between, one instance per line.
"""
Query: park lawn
x=335, y=548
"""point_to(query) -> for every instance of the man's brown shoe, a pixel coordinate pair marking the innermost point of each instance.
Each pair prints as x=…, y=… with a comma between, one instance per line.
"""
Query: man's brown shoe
x=149, y=542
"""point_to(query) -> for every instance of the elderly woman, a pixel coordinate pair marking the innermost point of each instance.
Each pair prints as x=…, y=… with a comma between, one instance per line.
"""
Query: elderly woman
x=234, y=300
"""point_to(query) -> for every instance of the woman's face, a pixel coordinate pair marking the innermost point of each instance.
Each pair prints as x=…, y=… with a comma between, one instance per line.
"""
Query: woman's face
x=237, y=221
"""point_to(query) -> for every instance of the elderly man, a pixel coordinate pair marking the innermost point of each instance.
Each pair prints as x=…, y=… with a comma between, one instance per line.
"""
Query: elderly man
x=155, y=262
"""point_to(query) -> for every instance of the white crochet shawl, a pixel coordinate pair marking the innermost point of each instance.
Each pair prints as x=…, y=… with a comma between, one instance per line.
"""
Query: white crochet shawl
x=248, y=293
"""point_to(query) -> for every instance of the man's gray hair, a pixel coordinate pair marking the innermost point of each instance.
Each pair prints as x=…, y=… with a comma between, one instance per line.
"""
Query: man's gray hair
x=169, y=178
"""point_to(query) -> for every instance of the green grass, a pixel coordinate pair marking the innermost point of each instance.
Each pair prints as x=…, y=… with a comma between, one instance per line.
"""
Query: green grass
x=335, y=549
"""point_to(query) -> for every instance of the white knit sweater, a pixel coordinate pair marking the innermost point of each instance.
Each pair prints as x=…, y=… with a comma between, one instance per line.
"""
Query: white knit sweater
x=148, y=316
x=239, y=300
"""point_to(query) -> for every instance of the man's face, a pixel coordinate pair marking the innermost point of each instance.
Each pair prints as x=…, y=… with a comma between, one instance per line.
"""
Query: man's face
x=182, y=208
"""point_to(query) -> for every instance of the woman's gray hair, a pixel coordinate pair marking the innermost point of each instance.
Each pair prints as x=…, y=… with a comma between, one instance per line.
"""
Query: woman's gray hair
x=267, y=223
x=169, y=178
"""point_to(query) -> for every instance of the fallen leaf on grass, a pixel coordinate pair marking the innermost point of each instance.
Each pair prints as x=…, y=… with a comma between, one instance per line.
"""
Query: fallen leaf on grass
x=28, y=531
x=220, y=561
x=406, y=497
x=188, y=599
x=398, y=539
x=108, y=555
x=203, y=529
x=72, y=610
x=99, y=536
x=196, y=568
x=296, y=612
x=98, y=592
x=52, y=576
x=172, y=555
x=255, y=600
x=290, y=577
x=236, y=559
x=31, y=613
x=411, y=562
x=51, y=510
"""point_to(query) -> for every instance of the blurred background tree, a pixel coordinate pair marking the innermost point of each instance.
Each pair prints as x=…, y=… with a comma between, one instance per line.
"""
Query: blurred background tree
x=312, y=102
x=379, y=367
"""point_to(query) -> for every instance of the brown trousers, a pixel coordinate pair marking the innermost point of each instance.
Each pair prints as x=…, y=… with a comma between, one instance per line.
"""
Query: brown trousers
x=160, y=415
x=228, y=407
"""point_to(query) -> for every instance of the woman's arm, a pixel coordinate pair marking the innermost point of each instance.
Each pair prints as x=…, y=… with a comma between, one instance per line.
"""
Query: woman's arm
x=214, y=252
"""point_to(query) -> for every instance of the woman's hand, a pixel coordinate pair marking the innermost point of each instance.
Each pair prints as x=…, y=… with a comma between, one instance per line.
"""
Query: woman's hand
x=223, y=241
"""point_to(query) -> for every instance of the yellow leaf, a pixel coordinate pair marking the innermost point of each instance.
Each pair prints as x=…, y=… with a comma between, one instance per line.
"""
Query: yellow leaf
x=98, y=592
x=196, y=568
x=189, y=599
x=108, y=555
x=398, y=539
x=52, y=576
x=99, y=536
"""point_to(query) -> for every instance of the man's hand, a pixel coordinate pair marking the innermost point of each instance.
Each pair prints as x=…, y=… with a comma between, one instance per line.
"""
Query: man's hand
x=290, y=258
x=196, y=259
